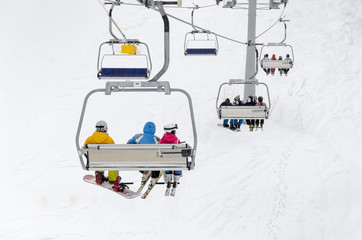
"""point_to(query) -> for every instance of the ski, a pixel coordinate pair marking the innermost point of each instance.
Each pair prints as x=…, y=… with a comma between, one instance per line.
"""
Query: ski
x=234, y=130
x=143, y=183
x=150, y=187
x=167, y=193
x=128, y=193
x=173, y=192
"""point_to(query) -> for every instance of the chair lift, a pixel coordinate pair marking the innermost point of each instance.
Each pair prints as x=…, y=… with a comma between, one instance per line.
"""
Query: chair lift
x=286, y=64
x=121, y=64
x=122, y=59
x=274, y=4
x=200, y=42
x=281, y=64
x=229, y=3
x=242, y=112
x=140, y=156
x=129, y=157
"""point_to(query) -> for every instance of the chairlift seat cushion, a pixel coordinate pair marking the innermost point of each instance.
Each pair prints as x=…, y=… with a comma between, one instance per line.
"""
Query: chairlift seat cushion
x=138, y=156
x=200, y=51
x=243, y=112
x=123, y=73
x=276, y=64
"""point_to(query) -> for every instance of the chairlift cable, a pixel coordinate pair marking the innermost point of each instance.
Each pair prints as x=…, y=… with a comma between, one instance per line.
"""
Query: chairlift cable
x=216, y=34
x=279, y=19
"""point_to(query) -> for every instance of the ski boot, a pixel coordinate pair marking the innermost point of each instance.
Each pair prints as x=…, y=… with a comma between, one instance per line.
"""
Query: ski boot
x=145, y=177
x=118, y=186
x=168, y=181
x=100, y=178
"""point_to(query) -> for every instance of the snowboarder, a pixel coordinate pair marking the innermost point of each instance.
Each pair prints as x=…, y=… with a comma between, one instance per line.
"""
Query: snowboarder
x=226, y=103
x=260, y=103
x=170, y=138
x=286, y=70
x=281, y=70
x=100, y=136
x=266, y=70
x=147, y=137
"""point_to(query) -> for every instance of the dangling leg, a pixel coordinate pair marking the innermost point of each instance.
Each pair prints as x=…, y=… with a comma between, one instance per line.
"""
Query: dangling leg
x=154, y=177
x=168, y=182
x=226, y=123
x=176, y=178
x=145, y=176
x=100, y=178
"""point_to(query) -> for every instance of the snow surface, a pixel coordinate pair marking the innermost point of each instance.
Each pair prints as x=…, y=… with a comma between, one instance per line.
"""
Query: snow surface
x=299, y=179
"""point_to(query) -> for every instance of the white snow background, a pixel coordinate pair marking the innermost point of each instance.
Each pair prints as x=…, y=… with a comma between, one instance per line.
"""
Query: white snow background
x=299, y=179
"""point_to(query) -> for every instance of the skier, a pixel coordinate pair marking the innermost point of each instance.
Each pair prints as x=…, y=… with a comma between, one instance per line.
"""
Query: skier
x=100, y=136
x=260, y=103
x=251, y=102
x=272, y=70
x=170, y=138
x=235, y=123
x=226, y=103
x=147, y=137
x=281, y=70
x=266, y=70
x=286, y=70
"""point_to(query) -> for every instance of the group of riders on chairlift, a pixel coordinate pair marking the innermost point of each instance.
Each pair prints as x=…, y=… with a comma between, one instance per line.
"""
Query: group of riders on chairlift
x=281, y=70
x=100, y=136
x=234, y=124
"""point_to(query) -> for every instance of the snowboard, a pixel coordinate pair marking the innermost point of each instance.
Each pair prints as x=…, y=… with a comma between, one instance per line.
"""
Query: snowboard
x=127, y=192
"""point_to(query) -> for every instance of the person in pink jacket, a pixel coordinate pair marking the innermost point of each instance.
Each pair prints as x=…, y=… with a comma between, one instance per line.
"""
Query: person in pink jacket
x=170, y=138
x=260, y=103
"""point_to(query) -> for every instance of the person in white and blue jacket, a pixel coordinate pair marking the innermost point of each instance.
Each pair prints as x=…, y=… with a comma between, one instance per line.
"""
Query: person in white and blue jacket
x=147, y=137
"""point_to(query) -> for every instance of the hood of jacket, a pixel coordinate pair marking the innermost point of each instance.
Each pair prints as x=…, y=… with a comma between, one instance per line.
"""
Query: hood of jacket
x=149, y=128
x=99, y=138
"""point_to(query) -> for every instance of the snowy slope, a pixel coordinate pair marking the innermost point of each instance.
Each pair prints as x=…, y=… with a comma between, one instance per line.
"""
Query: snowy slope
x=299, y=179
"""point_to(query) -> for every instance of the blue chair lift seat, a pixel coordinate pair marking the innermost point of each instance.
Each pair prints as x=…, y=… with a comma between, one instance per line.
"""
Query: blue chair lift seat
x=123, y=73
x=201, y=51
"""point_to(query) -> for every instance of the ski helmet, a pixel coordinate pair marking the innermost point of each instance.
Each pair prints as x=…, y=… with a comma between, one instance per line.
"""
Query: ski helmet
x=170, y=127
x=260, y=99
x=101, y=126
x=287, y=55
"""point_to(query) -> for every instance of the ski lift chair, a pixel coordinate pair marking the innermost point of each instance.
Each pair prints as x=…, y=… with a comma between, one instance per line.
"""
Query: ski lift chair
x=138, y=157
x=242, y=112
x=229, y=3
x=201, y=43
x=115, y=65
x=283, y=64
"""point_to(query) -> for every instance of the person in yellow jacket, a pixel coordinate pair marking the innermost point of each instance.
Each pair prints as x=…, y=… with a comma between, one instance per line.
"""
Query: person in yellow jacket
x=100, y=136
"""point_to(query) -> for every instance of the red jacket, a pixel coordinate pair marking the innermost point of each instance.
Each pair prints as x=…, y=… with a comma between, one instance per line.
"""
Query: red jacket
x=169, y=138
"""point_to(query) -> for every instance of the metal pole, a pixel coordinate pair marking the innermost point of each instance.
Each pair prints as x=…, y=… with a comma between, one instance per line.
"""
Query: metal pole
x=250, y=67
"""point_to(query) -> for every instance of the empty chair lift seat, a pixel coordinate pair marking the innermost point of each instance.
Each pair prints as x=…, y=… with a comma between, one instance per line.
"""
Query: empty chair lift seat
x=243, y=112
x=123, y=72
x=200, y=51
x=138, y=157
